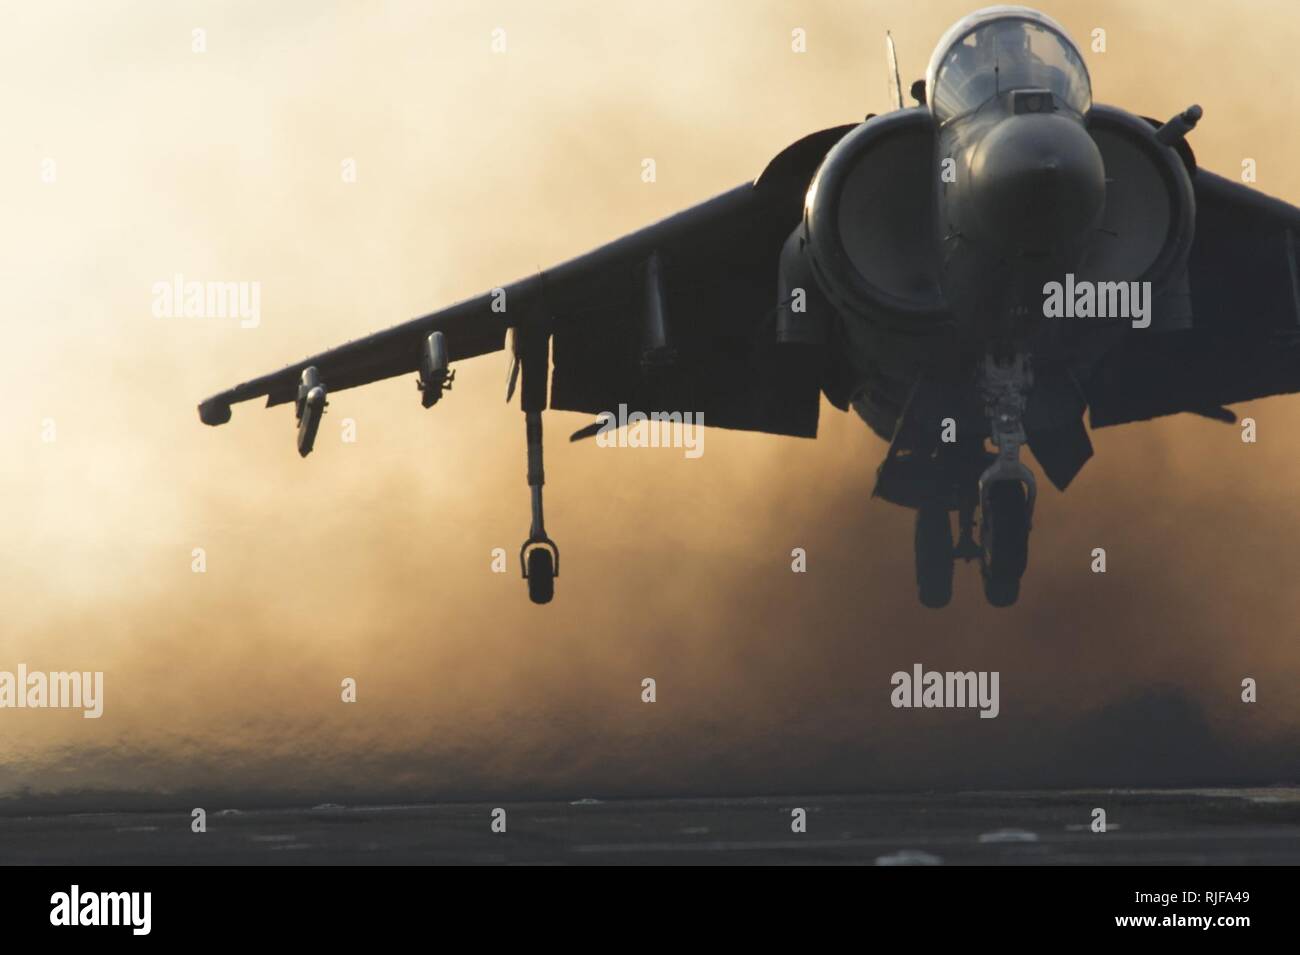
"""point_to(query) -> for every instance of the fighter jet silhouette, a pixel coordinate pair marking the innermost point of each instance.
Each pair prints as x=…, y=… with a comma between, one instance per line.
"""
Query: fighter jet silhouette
x=970, y=275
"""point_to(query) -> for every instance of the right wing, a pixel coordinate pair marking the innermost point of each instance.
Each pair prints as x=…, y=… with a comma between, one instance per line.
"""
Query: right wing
x=719, y=271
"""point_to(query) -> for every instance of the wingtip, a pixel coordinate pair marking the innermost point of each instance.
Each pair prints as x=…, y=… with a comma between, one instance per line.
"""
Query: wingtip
x=214, y=411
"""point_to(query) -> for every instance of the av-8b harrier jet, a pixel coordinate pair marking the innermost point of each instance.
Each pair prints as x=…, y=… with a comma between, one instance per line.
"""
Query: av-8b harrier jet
x=970, y=275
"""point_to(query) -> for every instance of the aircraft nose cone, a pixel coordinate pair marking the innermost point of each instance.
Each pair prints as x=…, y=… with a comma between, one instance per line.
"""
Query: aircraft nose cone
x=1037, y=183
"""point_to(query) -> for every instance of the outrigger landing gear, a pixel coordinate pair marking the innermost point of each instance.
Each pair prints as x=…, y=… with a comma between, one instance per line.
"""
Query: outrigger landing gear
x=1007, y=489
x=539, y=557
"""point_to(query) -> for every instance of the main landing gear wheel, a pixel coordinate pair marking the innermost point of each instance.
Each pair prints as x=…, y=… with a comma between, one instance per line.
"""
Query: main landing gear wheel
x=934, y=557
x=1004, y=538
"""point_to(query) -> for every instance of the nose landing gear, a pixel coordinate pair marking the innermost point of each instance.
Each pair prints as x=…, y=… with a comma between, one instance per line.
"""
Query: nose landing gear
x=1007, y=489
x=998, y=488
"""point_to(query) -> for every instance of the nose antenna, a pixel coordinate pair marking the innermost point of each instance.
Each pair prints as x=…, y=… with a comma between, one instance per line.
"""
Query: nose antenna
x=895, y=84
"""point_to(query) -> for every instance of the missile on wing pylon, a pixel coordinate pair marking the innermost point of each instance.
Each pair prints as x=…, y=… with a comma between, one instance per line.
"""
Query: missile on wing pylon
x=435, y=375
x=310, y=406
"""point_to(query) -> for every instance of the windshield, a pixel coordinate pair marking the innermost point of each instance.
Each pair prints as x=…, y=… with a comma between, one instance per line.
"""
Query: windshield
x=1007, y=54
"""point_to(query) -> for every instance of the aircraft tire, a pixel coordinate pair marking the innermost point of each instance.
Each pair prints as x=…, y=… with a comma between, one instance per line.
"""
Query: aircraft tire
x=1005, y=540
x=541, y=576
x=934, y=557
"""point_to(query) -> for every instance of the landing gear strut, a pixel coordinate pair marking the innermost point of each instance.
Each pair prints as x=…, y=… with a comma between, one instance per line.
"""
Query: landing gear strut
x=1007, y=489
x=539, y=557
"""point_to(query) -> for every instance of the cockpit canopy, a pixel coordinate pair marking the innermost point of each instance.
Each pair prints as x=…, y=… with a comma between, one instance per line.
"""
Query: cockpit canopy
x=999, y=49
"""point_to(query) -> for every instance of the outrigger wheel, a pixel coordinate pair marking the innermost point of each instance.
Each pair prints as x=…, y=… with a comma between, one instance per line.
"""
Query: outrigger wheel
x=540, y=560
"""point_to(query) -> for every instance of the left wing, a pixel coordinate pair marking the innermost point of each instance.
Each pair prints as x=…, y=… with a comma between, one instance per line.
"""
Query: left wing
x=1244, y=343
